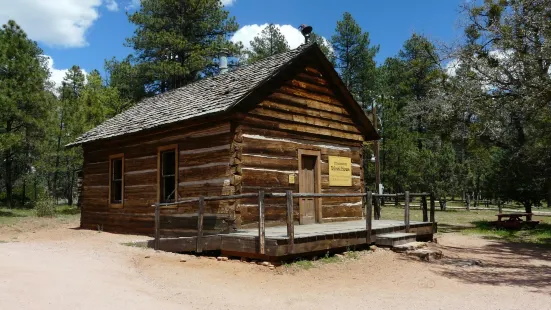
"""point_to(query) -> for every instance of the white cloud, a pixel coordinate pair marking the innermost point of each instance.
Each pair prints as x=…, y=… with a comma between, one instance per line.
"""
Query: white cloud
x=57, y=75
x=112, y=5
x=61, y=23
x=246, y=34
x=132, y=5
x=228, y=2
x=452, y=66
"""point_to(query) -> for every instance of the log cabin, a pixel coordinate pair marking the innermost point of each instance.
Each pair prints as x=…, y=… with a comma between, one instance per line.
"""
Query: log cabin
x=287, y=122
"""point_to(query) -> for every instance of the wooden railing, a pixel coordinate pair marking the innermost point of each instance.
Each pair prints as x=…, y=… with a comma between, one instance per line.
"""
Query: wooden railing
x=368, y=200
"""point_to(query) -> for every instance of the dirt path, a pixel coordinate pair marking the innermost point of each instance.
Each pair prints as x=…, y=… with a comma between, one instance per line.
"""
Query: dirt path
x=64, y=268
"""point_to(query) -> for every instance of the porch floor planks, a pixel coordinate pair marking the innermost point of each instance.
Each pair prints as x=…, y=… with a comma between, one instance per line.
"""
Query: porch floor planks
x=332, y=228
x=310, y=238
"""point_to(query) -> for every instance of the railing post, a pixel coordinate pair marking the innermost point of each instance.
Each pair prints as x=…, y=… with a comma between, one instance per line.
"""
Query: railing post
x=432, y=209
x=261, y=219
x=425, y=209
x=377, y=207
x=200, y=215
x=368, y=215
x=157, y=225
x=290, y=221
x=406, y=211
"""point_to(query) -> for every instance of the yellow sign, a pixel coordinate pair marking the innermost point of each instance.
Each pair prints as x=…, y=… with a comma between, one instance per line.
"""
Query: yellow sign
x=291, y=179
x=340, y=171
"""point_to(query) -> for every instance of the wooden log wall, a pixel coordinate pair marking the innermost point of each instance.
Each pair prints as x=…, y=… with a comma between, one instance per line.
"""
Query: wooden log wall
x=205, y=153
x=304, y=113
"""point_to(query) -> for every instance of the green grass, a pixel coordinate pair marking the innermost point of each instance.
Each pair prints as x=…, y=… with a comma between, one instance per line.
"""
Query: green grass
x=13, y=216
x=476, y=222
x=309, y=263
x=135, y=244
x=541, y=234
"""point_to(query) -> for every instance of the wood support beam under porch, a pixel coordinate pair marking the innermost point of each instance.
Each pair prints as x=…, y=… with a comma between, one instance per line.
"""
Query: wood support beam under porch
x=308, y=239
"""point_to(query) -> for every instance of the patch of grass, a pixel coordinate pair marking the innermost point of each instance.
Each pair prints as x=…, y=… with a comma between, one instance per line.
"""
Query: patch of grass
x=135, y=244
x=3, y=241
x=476, y=222
x=67, y=210
x=45, y=207
x=540, y=234
x=303, y=264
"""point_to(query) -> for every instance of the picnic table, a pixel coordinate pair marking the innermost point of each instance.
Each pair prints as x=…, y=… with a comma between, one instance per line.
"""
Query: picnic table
x=514, y=220
x=514, y=216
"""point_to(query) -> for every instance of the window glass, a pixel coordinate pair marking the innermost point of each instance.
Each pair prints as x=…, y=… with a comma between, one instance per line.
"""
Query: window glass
x=168, y=176
x=116, y=180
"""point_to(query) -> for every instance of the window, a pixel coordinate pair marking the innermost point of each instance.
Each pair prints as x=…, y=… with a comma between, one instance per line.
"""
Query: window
x=116, y=180
x=168, y=173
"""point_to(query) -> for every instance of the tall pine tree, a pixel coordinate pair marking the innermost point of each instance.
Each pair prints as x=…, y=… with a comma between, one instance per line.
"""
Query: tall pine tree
x=23, y=74
x=354, y=59
x=269, y=42
x=176, y=42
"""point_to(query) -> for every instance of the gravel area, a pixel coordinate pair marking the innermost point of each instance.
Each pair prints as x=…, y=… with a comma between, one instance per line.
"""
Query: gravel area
x=66, y=268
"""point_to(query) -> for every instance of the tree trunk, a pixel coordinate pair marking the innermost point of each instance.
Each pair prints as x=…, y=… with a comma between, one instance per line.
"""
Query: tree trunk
x=443, y=203
x=8, y=180
x=468, y=200
x=477, y=190
x=528, y=209
x=549, y=193
x=24, y=192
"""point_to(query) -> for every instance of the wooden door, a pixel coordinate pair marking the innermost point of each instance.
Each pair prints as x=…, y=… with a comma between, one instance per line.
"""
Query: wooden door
x=307, y=184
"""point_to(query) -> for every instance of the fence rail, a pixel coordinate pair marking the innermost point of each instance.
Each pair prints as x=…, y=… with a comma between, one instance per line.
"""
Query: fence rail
x=369, y=200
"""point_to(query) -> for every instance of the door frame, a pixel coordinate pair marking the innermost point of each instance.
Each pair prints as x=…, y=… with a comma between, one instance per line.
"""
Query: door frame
x=317, y=185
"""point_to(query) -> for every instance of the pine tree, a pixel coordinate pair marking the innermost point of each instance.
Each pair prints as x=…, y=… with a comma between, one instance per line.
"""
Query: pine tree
x=354, y=59
x=72, y=120
x=324, y=45
x=176, y=42
x=23, y=74
x=269, y=42
x=506, y=54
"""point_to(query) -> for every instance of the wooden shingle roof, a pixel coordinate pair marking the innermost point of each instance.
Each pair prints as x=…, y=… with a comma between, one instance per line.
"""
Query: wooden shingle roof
x=208, y=96
x=215, y=95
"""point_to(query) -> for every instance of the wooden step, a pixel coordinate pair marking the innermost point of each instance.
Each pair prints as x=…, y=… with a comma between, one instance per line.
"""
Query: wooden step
x=393, y=239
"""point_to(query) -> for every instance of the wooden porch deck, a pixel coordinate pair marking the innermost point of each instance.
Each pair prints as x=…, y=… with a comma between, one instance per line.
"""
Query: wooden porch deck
x=308, y=239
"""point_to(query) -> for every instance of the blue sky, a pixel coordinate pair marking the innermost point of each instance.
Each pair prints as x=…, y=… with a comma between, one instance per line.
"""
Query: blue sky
x=86, y=32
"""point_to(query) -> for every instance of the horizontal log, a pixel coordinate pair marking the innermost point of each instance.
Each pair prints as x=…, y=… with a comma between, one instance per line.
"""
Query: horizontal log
x=323, y=90
x=148, y=177
x=303, y=110
x=295, y=91
x=270, y=162
x=271, y=123
x=304, y=119
x=307, y=103
x=204, y=173
x=95, y=179
x=341, y=211
x=140, y=163
x=96, y=167
x=204, y=128
x=205, y=157
x=314, y=79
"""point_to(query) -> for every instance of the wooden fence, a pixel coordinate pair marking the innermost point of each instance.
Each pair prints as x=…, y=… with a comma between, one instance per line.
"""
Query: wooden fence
x=369, y=200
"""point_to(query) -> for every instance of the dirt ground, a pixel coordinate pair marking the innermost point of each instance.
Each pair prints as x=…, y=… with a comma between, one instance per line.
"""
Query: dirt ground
x=59, y=267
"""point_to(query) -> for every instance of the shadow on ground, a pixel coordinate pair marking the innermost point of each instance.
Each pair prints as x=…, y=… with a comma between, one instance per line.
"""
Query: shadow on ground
x=503, y=263
x=508, y=257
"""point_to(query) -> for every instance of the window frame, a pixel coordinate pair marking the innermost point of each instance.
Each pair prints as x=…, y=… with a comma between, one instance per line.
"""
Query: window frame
x=160, y=151
x=113, y=204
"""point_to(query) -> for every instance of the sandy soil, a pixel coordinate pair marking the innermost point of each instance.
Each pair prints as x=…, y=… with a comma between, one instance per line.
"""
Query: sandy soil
x=64, y=268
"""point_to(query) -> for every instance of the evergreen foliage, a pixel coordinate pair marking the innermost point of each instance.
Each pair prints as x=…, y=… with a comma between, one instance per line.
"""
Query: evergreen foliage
x=269, y=42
